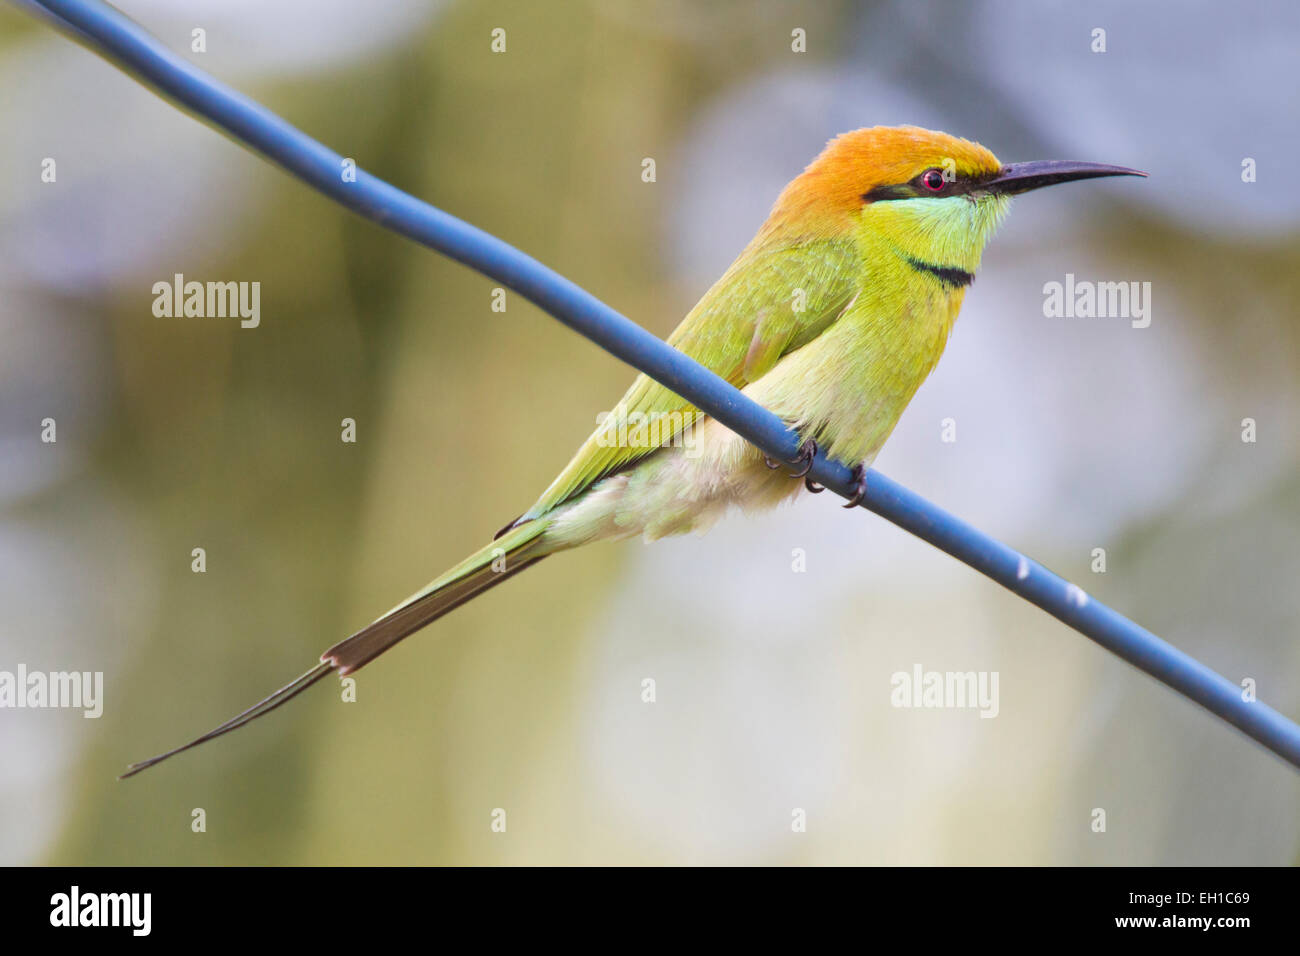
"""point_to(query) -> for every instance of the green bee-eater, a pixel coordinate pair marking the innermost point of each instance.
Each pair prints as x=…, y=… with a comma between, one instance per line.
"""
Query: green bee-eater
x=831, y=317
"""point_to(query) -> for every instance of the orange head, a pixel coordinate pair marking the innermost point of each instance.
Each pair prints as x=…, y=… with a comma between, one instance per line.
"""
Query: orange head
x=928, y=196
x=855, y=166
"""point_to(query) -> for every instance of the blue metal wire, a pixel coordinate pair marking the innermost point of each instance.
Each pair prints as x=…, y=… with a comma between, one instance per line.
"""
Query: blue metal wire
x=129, y=47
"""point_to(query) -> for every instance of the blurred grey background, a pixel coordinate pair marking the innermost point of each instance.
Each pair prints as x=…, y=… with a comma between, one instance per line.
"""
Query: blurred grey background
x=773, y=687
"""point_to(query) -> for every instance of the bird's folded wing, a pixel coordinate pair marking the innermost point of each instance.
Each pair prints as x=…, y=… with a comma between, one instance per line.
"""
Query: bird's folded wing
x=770, y=302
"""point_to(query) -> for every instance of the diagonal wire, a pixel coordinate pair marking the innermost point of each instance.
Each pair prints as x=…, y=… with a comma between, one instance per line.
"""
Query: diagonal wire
x=126, y=45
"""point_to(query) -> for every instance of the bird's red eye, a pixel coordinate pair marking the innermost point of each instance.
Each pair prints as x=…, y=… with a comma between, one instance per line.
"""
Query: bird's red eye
x=932, y=179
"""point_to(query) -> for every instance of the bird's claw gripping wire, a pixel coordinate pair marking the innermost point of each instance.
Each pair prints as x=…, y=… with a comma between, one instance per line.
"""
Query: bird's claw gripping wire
x=859, y=486
x=807, y=452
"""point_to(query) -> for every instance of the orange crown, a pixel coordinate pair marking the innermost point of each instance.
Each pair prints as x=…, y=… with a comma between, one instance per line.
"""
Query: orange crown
x=830, y=190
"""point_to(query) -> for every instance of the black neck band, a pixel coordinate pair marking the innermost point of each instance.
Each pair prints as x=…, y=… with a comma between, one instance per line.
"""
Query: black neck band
x=948, y=275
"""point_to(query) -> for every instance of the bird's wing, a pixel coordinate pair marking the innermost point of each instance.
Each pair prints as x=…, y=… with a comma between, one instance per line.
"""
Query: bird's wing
x=770, y=302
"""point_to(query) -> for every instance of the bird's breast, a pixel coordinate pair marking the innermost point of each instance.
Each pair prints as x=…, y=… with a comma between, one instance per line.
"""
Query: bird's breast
x=849, y=387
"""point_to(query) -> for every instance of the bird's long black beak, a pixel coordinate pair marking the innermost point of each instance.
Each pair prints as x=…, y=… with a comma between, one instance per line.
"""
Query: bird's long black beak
x=1015, y=178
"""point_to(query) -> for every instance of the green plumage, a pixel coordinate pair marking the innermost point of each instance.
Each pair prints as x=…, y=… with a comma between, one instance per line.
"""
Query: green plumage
x=774, y=299
x=831, y=318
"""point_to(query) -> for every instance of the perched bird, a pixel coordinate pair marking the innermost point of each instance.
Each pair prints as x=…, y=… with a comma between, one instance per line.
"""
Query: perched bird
x=831, y=317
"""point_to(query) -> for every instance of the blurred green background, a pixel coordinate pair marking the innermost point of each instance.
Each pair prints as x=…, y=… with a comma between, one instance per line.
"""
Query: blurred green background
x=773, y=687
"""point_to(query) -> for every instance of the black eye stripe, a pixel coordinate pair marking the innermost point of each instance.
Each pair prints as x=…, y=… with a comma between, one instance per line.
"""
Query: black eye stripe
x=882, y=193
x=915, y=187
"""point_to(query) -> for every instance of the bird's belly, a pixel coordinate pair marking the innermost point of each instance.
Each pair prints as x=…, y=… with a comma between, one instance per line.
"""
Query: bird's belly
x=675, y=490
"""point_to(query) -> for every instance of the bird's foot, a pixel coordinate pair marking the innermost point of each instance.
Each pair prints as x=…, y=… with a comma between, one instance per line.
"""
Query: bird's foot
x=807, y=452
x=859, y=485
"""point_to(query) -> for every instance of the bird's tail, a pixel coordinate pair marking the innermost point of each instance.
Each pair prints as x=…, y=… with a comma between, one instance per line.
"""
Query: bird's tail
x=514, y=550
x=503, y=558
